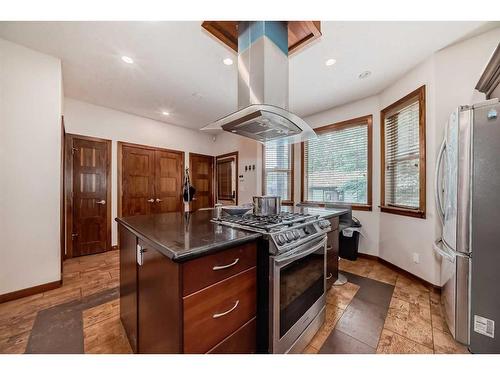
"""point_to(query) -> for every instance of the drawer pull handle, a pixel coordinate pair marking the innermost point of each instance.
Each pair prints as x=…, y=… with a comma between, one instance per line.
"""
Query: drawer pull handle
x=329, y=248
x=216, y=268
x=218, y=315
x=329, y=276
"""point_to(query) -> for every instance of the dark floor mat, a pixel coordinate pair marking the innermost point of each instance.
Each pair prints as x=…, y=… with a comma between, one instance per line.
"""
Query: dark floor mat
x=358, y=330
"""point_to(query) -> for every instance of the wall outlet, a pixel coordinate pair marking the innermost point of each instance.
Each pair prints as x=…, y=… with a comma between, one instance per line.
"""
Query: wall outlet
x=416, y=258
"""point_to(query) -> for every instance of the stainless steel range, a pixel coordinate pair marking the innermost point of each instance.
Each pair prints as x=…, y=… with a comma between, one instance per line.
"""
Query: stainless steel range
x=292, y=269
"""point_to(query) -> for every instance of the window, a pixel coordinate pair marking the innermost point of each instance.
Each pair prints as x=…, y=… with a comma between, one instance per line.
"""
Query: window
x=278, y=170
x=403, y=156
x=337, y=164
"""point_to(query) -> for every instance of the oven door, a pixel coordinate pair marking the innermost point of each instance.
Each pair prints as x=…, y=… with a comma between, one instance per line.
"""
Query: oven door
x=297, y=292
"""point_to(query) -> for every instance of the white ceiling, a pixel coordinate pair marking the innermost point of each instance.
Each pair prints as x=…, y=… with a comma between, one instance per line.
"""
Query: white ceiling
x=178, y=67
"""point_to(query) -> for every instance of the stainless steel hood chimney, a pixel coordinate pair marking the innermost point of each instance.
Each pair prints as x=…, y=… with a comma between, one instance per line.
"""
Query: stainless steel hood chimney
x=263, y=86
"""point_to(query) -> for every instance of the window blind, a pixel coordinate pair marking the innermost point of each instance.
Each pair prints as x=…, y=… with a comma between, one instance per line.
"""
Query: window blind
x=402, y=157
x=336, y=166
x=278, y=169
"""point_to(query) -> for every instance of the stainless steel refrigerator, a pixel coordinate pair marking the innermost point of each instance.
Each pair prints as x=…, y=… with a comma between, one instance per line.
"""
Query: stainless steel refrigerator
x=468, y=199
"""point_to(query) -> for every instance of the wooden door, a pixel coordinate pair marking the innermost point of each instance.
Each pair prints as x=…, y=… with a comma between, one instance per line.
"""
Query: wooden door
x=225, y=190
x=137, y=181
x=169, y=172
x=90, y=202
x=227, y=178
x=201, y=170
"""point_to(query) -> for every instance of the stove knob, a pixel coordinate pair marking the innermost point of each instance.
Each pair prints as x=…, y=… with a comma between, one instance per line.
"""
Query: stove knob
x=280, y=239
x=324, y=224
x=289, y=236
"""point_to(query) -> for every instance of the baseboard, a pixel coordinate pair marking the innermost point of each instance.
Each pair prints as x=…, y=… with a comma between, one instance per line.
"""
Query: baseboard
x=400, y=270
x=30, y=291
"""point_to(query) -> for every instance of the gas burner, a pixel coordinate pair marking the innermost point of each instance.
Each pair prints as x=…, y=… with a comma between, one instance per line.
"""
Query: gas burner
x=266, y=223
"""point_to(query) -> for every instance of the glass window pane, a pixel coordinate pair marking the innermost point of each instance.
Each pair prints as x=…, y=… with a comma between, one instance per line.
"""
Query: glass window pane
x=278, y=169
x=402, y=157
x=336, y=165
x=277, y=183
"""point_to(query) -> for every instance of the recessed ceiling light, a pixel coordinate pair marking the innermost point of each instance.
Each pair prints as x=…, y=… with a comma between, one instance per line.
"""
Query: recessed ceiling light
x=165, y=113
x=127, y=59
x=228, y=61
x=365, y=74
x=330, y=62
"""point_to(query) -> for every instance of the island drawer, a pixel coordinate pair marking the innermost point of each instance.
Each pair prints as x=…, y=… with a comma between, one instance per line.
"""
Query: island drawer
x=214, y=313
x=243, y=341
x=207, y=270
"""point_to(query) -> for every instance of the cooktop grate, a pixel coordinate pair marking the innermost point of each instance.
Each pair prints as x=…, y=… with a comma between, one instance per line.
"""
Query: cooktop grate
x=267, y=222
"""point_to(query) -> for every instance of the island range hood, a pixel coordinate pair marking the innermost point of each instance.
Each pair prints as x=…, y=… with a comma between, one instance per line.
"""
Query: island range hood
x=263, y=87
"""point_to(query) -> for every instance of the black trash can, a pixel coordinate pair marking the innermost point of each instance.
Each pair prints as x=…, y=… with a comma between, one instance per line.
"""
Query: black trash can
x=348, y=246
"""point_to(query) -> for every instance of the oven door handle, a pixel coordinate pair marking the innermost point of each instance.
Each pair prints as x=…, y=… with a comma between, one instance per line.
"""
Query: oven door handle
x=300, y=254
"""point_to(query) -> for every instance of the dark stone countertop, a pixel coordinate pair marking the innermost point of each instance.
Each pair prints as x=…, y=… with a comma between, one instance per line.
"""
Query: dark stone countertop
x=183, y=236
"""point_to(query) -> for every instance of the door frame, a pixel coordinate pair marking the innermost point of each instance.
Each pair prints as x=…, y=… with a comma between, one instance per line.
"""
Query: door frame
x=62, y=198
x=213, y=173
x=223, y=156
x=119, y=165
x=68, y=187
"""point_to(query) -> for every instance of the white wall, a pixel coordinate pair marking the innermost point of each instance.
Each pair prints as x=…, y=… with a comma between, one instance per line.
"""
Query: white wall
x=249, y=154
x=400, y=236
x=30, y=160
x=451, y=75
x=92, y=120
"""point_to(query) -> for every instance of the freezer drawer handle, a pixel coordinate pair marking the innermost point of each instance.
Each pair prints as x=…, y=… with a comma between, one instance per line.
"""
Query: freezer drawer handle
x=218, y=315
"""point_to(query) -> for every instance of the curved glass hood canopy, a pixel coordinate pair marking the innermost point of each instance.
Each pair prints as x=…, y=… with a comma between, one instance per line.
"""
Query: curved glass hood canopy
x=263, y=87
x=263, y=123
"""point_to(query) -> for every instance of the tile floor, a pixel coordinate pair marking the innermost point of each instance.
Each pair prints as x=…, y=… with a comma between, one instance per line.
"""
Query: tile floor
x=413, y=321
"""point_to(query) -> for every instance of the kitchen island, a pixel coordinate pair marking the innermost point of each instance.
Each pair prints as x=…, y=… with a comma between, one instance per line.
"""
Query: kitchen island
x=188, y=285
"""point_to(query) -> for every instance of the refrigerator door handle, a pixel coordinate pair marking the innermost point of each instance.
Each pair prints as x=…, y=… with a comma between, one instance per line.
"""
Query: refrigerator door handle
x=437, y=182
x=439, y=250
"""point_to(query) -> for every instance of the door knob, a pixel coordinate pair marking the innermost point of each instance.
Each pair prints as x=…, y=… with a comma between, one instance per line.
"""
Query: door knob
x=102, y=201
x=158, y=200
x=151, y=200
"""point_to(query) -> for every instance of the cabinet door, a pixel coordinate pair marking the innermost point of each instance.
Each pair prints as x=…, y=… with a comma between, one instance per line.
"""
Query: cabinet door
x=169, y=174
x=159, y=302
x=138, y=177
x=128, y=284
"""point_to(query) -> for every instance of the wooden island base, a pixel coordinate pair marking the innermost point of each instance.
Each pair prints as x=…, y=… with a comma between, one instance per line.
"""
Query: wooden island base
x=203, y=305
